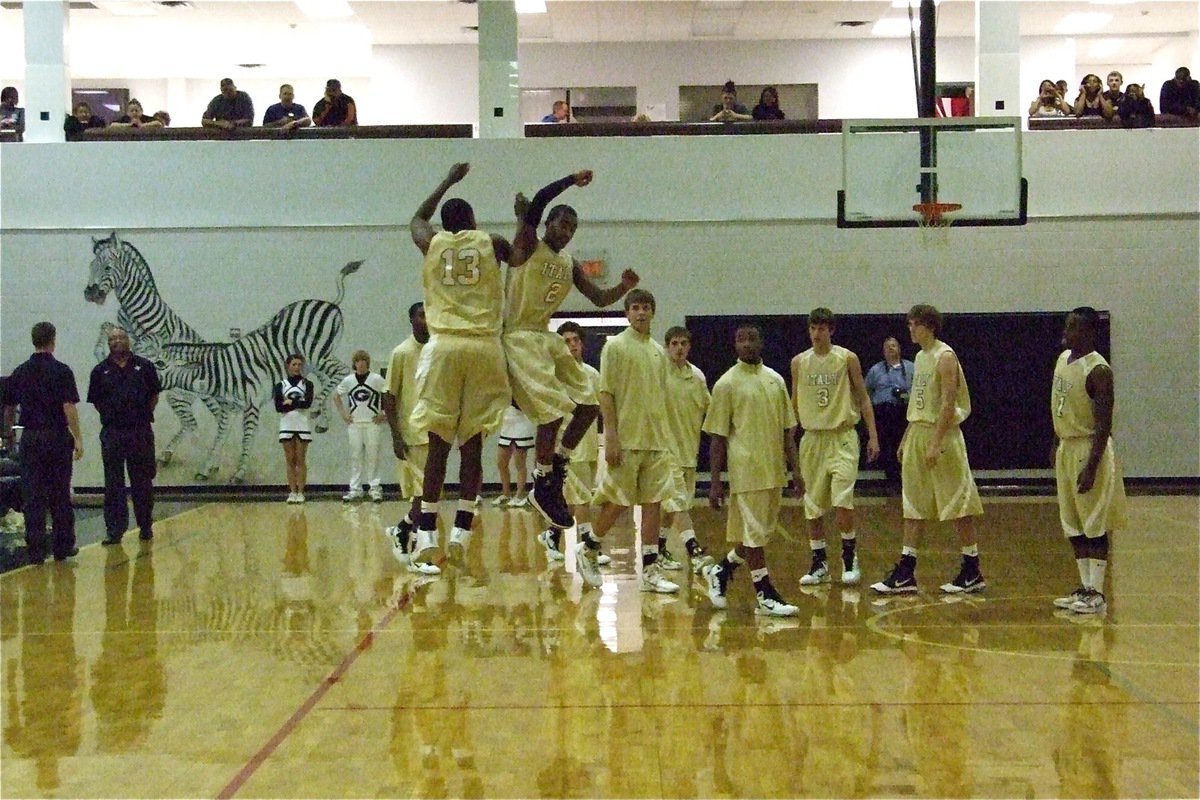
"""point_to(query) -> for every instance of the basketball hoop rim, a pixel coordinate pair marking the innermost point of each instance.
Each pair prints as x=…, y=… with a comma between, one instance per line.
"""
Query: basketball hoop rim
x=935, y=214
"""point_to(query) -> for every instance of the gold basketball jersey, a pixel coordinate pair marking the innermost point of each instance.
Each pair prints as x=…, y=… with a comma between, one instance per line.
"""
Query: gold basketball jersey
x=822, y=393
x=464, y=293
x=925, y=400
x=1070, y=405
x=536, y=289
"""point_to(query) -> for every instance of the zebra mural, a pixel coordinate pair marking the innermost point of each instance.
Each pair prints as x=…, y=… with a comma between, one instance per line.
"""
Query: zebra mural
x=244, y=371
x=229, y=377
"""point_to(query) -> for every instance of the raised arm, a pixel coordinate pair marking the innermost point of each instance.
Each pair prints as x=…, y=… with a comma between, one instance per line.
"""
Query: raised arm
x=525, y=242
x=602, y=297
x=419, y=227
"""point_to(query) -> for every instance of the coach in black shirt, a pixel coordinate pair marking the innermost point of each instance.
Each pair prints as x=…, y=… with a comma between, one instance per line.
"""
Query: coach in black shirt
x=44, y=389
x=124, y=388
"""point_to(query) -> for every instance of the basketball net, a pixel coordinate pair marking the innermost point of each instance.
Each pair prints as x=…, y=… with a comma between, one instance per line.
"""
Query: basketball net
x=935, y=222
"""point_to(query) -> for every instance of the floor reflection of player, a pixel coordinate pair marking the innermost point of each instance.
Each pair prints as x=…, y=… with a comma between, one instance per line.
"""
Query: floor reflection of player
x=681, y=686
x=765, y=743
x=1089, y=759
x=938, y=694
x=840, y=728
x=128, y=682
x=430, y=745
x=42, y=717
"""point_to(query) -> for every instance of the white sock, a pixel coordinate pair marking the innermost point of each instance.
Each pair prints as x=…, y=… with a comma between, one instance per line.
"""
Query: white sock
x=908, y=551
x=971, y=550
x=1098, y=566
x=687, y=536
x=1085, y=571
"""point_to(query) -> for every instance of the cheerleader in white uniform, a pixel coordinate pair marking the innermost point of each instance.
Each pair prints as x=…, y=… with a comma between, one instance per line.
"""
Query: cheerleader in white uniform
x=293, y=399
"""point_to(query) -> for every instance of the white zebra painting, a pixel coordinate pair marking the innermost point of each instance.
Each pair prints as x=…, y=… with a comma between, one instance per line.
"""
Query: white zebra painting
x=228, y=377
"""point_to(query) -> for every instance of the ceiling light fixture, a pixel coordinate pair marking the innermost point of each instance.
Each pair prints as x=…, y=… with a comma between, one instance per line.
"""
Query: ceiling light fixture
x=324, y=9
x=531, y=6
x=125, y=8
x=1083, y=22
x=895, y=26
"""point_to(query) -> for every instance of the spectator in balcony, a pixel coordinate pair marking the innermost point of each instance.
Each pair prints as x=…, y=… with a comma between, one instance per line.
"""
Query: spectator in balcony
x=81, y=120
x=163, y=117
x=1113, y=94
x=1049, y=102
x=560, y=113
x=1136, y=110
x=135, y=117
x=230, y=109
x=286, y=114
x=1090, y=102
x=12, y=117
x=1180, y=96
x=335, y=109
x=768, y=105
x=729, y=109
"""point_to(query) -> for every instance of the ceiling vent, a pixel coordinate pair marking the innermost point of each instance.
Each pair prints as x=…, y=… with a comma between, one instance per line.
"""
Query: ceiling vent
x=79, y=6
x=852, y=23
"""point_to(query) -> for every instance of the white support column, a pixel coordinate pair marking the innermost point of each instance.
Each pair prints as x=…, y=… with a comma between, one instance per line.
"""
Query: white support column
x=998, y=59
x=499, y=83
x=47, y=97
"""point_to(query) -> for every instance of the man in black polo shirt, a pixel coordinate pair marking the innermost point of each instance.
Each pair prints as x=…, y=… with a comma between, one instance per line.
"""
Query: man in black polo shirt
x=44, y=389
x=335, y=109
x=124, y=388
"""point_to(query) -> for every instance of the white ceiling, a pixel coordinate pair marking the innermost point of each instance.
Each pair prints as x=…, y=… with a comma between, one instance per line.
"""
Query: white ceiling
x=265, y=28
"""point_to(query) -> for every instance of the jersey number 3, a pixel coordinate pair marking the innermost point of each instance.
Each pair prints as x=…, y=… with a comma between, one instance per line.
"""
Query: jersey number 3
x=460, y=267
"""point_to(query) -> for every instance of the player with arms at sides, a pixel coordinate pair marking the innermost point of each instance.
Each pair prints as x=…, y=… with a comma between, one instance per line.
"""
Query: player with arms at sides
x=548, y=384
x=637, y=444
x=753, y=428
x=1091, y=491
x=830, y=397
x=935, y=475
x=687, y=401
x=462, y=377
x=410, y=446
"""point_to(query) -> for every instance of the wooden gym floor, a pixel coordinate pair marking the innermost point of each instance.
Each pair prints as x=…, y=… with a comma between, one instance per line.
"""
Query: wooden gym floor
x=266, y=650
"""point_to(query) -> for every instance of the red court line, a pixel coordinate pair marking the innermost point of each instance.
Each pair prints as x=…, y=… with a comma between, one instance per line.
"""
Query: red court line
x=298, y=716
x=781, y=704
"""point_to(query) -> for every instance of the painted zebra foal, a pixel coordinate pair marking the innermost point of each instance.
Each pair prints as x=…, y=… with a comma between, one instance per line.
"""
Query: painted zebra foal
x=242, y=373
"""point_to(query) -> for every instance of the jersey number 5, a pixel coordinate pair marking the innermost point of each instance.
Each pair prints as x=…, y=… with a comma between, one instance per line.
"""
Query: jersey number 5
x=461, y=267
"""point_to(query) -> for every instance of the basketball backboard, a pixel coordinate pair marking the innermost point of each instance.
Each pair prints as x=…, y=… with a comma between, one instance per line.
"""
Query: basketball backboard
x=972, y=161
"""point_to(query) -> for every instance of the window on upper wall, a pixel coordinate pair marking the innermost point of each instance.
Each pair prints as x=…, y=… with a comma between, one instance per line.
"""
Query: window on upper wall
x=587, y=103
x=108, y=104
x=798, y=100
